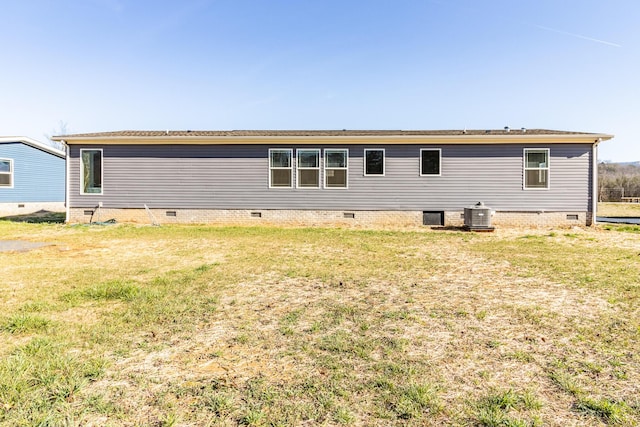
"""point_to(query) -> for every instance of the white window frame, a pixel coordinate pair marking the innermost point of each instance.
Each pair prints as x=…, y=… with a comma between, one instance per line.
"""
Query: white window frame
x=82, y=150
x=384, y=162
x=10, y=173
x=299, y=168
x=345, y=168
x=439, y=150
x=290, y=168
x=525, y=168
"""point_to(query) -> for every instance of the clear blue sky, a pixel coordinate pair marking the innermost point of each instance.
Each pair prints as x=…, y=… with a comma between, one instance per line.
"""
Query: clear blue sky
x=101, y=65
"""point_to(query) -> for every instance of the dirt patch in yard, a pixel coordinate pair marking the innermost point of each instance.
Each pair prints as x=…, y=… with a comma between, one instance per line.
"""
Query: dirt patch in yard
x=20, y=245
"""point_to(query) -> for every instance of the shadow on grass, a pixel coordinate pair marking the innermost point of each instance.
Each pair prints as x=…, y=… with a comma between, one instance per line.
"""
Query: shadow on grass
x=448, y=228
x=41, y=216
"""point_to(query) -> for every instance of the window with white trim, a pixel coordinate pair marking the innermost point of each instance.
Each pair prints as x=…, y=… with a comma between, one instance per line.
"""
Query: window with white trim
x=91, y=171
x=373, y=162
x=536, y=168
x=308, y=168
x=430, y=161
x=280, y=168
x=6, y=173
x=335, y=168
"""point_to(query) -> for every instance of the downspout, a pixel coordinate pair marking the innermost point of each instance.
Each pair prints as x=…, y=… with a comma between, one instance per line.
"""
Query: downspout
x=594, y=196
x=66, y=191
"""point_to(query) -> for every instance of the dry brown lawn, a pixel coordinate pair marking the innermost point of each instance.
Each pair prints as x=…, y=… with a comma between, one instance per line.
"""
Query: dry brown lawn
x=125, y=325
x=619, y=209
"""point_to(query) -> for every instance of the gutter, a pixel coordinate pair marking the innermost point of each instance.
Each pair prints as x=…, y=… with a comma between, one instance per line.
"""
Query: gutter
x=333, y=139
x=66, y=180
x=594, y=196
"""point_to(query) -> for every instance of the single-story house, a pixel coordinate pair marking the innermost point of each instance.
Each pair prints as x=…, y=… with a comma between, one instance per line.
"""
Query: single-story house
x=531, y=177
x=32, y=176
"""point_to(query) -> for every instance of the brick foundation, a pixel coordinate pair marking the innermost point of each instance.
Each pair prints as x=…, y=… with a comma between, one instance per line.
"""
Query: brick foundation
x=319, y=218
x=23, y=208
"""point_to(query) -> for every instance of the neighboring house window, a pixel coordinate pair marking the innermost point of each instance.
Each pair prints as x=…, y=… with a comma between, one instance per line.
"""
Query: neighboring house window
x=91, y=171
x=6, y=173
x=335, y=168
x=308, y=164
x=280, y=167
x=373, y=162
x=536, y=168
x=430, y=161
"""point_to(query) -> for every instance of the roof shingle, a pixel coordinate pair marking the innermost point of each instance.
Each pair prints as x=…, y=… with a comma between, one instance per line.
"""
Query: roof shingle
x=312, y=133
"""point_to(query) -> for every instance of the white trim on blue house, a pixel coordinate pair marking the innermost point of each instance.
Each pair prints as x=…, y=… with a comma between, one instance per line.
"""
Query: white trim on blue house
x=10, y=173
x=35, y=144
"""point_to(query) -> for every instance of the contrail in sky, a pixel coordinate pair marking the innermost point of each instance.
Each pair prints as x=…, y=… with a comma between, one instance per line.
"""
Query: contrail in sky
x=578, y=36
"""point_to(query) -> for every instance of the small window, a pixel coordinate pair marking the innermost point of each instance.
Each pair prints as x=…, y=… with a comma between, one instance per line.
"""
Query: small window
x=280, y=168
x=335, y=168
x=91, y=172
x=6, y=173
x=430, y=162
x=373, y=162
x=536, y=168
x=308, y=164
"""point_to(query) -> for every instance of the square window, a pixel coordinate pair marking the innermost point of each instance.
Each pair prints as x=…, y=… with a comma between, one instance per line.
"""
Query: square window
x=373, y=162
x=430, y=162
x=5, y=166
x=335, y=158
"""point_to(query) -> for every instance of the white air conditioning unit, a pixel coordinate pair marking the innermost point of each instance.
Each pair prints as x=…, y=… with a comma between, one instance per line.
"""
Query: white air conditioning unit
x=478, y=218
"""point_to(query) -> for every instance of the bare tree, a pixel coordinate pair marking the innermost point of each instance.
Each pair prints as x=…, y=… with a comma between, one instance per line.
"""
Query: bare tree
x=618, y=180
x=61, y=129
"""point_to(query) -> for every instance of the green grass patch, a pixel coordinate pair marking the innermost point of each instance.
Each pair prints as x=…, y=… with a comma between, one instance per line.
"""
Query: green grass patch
x=623, y=228
x=111, y=290
x=495, y=409
x=41, y=383
x=21, y=323
x=609, y=411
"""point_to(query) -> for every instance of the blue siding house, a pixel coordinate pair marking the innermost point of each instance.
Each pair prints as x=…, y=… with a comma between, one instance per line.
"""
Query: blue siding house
x=32, y=176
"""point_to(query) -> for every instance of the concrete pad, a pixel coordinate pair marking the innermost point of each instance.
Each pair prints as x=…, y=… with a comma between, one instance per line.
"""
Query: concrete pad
x=19, y=245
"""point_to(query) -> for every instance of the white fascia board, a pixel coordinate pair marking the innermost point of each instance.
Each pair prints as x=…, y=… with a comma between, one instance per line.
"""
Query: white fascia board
x=35, y=144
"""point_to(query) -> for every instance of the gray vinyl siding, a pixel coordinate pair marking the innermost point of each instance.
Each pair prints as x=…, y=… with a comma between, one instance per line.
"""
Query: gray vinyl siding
x=237, y=177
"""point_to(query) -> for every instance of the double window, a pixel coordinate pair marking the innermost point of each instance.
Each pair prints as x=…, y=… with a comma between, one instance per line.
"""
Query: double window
x=536, y=168
x=6, y=173
x=91, y=171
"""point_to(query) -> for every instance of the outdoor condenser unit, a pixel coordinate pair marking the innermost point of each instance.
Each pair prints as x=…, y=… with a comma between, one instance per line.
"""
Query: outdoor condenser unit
x=478, y=218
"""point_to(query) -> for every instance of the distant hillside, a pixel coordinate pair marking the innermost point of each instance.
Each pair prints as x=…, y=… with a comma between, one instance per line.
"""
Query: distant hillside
x=618, y=180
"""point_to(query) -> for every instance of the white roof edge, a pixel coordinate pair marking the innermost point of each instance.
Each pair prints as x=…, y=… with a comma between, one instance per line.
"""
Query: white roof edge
x=35, y=144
